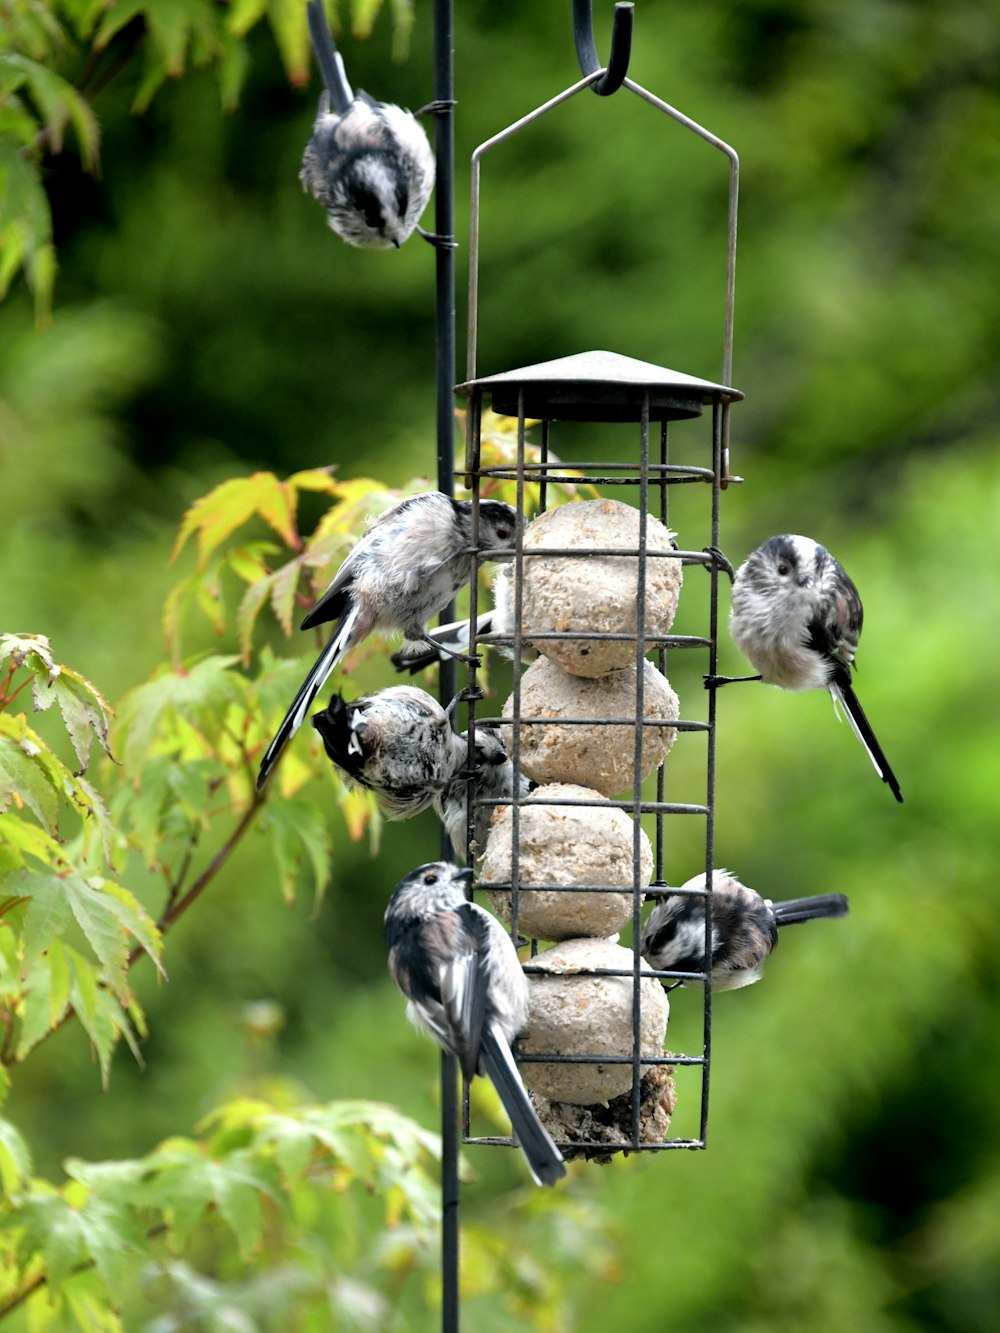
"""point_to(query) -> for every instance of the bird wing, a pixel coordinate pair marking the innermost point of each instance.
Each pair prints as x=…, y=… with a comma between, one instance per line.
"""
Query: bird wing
x=835, y=630
x=464, y=984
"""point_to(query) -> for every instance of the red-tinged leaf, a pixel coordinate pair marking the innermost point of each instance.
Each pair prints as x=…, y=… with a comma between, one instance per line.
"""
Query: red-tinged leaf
x=85, y=713
x=250, y=562
x=31, y=649
x=248, y=611
x=284, y=585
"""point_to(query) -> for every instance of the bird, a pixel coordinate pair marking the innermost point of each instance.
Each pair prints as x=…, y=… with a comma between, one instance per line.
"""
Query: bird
x=493, y=780
x=744, y=928
x=797, y=616
x=460, y=974
x=446, y=640
x=398, y=743
x=368, y=163
x=407, y=566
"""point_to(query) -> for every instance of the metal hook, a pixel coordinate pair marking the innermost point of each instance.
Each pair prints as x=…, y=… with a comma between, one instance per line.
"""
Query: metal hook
x=621, y=45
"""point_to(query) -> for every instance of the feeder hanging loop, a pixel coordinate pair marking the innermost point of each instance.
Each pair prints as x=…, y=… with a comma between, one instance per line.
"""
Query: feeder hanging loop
x=621, y=45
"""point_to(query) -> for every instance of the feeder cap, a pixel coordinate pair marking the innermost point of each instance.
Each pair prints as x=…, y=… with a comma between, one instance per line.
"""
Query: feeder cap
x=600, y=386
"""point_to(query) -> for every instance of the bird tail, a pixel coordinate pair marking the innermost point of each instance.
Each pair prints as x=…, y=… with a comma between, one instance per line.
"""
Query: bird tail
x=338, y=735
x=544, y=1159
x=861, y=727
x=308, y=691
x=414, y=657
x=793, y=910
x=328, y=58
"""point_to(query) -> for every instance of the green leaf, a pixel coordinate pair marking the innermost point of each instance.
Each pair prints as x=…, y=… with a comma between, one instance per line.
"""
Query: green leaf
x=109, y=916
x=58, y=102
x=197, y=696
x=23, y=777
x=15, y=1158
x=296, y=831
x=30, y=772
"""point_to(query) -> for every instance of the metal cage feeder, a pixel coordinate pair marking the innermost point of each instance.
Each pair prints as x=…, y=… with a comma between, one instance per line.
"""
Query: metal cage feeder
x=576, y=392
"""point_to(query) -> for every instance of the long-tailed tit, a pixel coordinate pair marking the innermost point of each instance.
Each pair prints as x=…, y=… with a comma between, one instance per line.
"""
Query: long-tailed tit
x=460, y=973
x=493, y=781
x=447, y=640
x=797, y=617
x=398, y=743
x=744, y=929
x=407, y=566
x=368, y=163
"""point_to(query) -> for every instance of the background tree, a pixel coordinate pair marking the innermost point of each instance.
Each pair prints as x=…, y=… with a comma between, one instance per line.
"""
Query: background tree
x=207, y=326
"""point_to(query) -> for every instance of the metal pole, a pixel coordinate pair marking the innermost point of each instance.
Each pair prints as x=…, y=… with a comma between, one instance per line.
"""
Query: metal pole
x=444, y=226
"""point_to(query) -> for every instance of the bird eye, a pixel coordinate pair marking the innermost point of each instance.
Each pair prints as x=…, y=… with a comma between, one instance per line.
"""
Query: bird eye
x=503, y=533
x=784, y=568
x=430, y=878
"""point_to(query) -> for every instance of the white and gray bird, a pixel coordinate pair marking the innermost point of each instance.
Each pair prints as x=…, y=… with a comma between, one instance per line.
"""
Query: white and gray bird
x=797, y=616
x=398, y=743
x=460, y=973
x=368, y=163
x=407, y=566
x=744, y=929
x=447, y=640
x=493, y=781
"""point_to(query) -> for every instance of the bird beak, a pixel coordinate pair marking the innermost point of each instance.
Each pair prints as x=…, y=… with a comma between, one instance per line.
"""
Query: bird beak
x=464, y=877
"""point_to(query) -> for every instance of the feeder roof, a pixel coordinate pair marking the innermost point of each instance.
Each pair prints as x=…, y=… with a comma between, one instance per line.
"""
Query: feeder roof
x=600, y=386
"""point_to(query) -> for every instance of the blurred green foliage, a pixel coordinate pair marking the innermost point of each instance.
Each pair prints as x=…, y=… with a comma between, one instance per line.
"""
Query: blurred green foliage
x=208, y=327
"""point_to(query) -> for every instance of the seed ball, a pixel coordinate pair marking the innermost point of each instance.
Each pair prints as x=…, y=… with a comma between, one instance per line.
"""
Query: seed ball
x=600, y=755
x=566, y=844
x=572, y=1012
x=598, y=594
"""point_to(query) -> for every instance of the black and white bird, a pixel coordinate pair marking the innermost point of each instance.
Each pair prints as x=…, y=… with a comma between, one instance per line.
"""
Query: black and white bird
x=447, y=640
x=744, y=929
x=368, y=163
x=797, y=616
x=460, y=973
x=407, y=566
x=398, y=743
x=493, y=781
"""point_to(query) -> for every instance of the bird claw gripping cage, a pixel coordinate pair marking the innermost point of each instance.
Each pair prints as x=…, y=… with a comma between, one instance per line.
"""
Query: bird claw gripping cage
x=593, y=1053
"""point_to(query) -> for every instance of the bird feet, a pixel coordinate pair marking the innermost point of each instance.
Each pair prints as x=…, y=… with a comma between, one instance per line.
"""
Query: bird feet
x=716, y=682
x=438, y=242
x=721, y=561
x=441, y=107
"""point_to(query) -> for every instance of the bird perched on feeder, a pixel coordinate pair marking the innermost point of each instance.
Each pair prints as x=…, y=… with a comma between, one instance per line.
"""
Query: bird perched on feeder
x=368, y=163
x=797, y=616
x=407, y=566
x=398, y=743
x=460, y=973
x=446, y=640
x=493, y=781
x=744, y=929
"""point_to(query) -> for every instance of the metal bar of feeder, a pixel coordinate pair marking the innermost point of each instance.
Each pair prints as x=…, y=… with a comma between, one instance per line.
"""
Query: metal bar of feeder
x=444, y=219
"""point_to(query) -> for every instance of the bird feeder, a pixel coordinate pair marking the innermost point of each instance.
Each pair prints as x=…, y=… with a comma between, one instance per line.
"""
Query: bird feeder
x=601, y=681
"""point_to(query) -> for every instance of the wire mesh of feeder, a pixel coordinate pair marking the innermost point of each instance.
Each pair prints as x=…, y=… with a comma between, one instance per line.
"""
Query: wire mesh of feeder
x=605, y=1116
